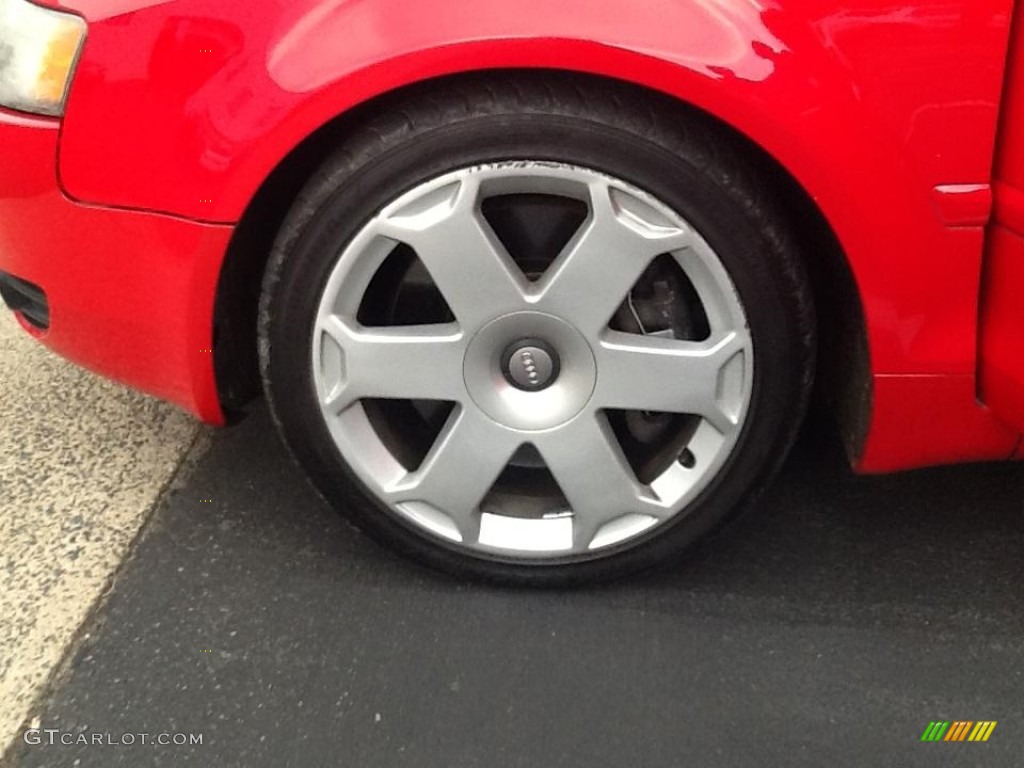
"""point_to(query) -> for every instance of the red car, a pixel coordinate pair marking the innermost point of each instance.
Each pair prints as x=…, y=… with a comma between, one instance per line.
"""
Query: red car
x=536, y=291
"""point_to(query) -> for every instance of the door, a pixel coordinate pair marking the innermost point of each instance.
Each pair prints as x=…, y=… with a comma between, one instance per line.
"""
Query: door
x=1001, y=374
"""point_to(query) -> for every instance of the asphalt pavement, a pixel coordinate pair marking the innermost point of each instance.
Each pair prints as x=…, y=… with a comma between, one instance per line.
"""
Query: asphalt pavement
x=826, y=628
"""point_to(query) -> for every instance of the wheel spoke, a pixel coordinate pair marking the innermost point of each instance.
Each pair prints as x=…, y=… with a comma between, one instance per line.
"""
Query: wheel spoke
x=599, y=267
x=460, y=469
x=587, y=462
x=467, y=262
x=408, y=362
x=654, y=374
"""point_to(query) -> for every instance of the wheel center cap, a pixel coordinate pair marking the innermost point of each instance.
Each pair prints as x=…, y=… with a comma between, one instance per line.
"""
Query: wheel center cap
x=529, y=371
x=531, y=365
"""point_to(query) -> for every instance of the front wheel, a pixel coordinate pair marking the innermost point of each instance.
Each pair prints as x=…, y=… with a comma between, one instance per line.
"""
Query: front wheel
x=539, y=333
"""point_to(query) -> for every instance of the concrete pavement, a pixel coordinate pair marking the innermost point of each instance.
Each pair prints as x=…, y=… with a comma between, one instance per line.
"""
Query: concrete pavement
x=81, y=463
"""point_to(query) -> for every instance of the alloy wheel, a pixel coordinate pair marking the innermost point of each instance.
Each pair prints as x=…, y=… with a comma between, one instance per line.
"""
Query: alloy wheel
x=532, y=400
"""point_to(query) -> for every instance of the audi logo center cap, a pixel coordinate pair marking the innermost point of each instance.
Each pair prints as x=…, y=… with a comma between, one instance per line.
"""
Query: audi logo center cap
x=530, y=365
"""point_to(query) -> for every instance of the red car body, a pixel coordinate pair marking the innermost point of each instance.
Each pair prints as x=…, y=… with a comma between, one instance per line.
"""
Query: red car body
x=899, y=121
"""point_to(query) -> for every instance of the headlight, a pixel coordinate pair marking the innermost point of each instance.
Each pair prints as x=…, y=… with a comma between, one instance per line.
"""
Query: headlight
x=38, y=51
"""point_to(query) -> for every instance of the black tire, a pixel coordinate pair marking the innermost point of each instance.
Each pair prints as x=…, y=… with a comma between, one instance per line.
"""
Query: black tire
x=680, y=156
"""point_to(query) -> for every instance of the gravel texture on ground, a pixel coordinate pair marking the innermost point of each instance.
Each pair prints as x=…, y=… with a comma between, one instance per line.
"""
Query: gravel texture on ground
x=82, y=461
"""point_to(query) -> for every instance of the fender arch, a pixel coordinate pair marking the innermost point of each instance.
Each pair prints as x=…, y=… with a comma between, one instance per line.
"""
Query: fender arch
x=889, y=135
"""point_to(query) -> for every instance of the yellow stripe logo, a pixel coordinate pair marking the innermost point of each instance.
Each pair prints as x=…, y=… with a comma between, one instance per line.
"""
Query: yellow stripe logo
x=958, y=730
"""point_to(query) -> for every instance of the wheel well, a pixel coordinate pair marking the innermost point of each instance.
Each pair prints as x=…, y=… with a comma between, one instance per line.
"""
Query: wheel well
x=843, y=375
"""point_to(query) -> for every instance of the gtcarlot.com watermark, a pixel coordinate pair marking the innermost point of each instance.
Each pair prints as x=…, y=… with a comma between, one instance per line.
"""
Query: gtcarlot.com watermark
x=56, y=737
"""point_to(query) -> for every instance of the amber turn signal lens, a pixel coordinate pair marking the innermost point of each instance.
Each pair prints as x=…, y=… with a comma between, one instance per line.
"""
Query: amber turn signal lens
x=38, y=51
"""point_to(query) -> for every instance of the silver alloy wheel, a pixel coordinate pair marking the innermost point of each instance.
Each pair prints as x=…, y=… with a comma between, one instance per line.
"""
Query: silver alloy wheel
x=531, y=363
